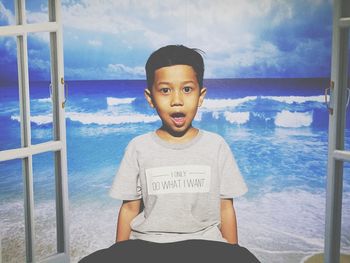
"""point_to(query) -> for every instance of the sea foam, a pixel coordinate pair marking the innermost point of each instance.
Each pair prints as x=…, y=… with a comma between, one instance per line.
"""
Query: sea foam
x=295, y=99
x=289, y=119
x=45, y=100
x=38, y=120
x=111, y=101
x=236, y=117
x=98, y=118
x=215, y=104
x=107, y=119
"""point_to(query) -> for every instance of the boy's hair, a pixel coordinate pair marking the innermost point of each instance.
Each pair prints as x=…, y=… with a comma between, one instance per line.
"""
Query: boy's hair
x=175, y=55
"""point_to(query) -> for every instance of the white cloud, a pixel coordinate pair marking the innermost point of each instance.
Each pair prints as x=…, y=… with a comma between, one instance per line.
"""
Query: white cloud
x=206, y=23
x=32, y=17
x=120, y=70
x=6, y=14
x=86, y=73
x=230, y=32
x=37, y=17
x=40, y=64
x=9, y=43
x=101, y=16
x=219, y=28
x=42, y=36
x=112, y=71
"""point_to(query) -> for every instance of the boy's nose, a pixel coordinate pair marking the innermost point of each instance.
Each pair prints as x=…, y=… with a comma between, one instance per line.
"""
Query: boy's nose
x=177, y=99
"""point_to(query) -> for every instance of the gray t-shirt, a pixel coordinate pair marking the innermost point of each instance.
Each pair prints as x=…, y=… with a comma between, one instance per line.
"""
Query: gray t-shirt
x=181, y=185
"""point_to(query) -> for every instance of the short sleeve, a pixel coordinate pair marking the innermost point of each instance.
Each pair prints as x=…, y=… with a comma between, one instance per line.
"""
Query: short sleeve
x=126, y=184
x=232, y=183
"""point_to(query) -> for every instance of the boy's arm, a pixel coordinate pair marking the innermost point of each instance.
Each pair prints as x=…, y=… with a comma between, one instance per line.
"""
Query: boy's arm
x=128, y=211
x=228, y=221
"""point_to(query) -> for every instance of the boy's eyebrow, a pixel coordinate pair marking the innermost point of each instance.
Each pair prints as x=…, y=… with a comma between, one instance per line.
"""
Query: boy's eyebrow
x=188, y=81
x=168, y=83
x=163, y=82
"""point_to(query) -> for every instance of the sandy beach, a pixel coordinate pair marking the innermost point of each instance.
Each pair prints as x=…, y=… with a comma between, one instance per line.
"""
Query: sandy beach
x=92, y=227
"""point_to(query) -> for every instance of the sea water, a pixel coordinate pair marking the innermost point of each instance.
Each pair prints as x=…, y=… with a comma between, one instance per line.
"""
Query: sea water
x=277, y=130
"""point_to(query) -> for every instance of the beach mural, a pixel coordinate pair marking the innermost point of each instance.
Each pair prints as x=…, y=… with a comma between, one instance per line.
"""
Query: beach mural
x=267, y=64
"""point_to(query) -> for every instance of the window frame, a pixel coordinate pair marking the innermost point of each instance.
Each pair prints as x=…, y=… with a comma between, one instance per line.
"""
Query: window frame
x=58, y=144
x=337, y=120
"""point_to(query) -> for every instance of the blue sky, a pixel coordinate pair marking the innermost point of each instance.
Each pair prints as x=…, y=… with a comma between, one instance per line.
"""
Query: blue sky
x=111, y=39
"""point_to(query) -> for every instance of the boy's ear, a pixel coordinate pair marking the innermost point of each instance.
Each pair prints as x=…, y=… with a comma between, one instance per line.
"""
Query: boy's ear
x=148, y=96
x=201, y=96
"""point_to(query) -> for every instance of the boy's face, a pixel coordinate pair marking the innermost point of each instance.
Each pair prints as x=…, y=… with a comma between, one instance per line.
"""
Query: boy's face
x=176, y=96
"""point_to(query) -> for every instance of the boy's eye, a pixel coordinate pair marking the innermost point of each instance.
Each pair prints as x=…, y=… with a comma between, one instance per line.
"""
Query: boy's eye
x=187, y=89
x=165, y=90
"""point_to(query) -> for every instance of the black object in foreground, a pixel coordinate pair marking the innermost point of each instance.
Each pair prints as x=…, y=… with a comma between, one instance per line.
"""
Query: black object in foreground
x=201, y=251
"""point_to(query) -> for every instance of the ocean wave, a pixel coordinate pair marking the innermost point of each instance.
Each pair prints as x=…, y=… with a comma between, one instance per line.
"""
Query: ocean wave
x=225, y=103
x=105, y=119
x=287, y=119
x=111, y=101
x=94, y=118
x=295, y=99
x=284, y=119
x=38, y=120
x=220, y=103
x=217, y=104
x=215, y=115
x=237, y=117
x=44, y=100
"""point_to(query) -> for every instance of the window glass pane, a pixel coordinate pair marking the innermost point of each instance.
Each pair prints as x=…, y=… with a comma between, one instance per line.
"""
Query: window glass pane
x=12, y=230
x=44, y=205
x=10, y=134
x=37, y=11
x=39, y=77
x=7, y=13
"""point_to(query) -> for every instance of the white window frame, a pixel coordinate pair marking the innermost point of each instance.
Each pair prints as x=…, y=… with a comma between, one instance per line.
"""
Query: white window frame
x=337, y=119
x=58, y=144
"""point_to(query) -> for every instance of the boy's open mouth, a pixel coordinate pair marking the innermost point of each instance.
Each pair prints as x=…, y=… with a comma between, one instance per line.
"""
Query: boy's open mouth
x=178, y=118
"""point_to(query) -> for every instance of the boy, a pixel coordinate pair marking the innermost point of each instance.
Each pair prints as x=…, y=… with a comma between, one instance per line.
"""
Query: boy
x=177, y=183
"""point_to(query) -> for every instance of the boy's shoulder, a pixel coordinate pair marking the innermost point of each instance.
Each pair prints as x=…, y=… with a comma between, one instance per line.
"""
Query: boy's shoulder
x=141, y=139
x=212, y=136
